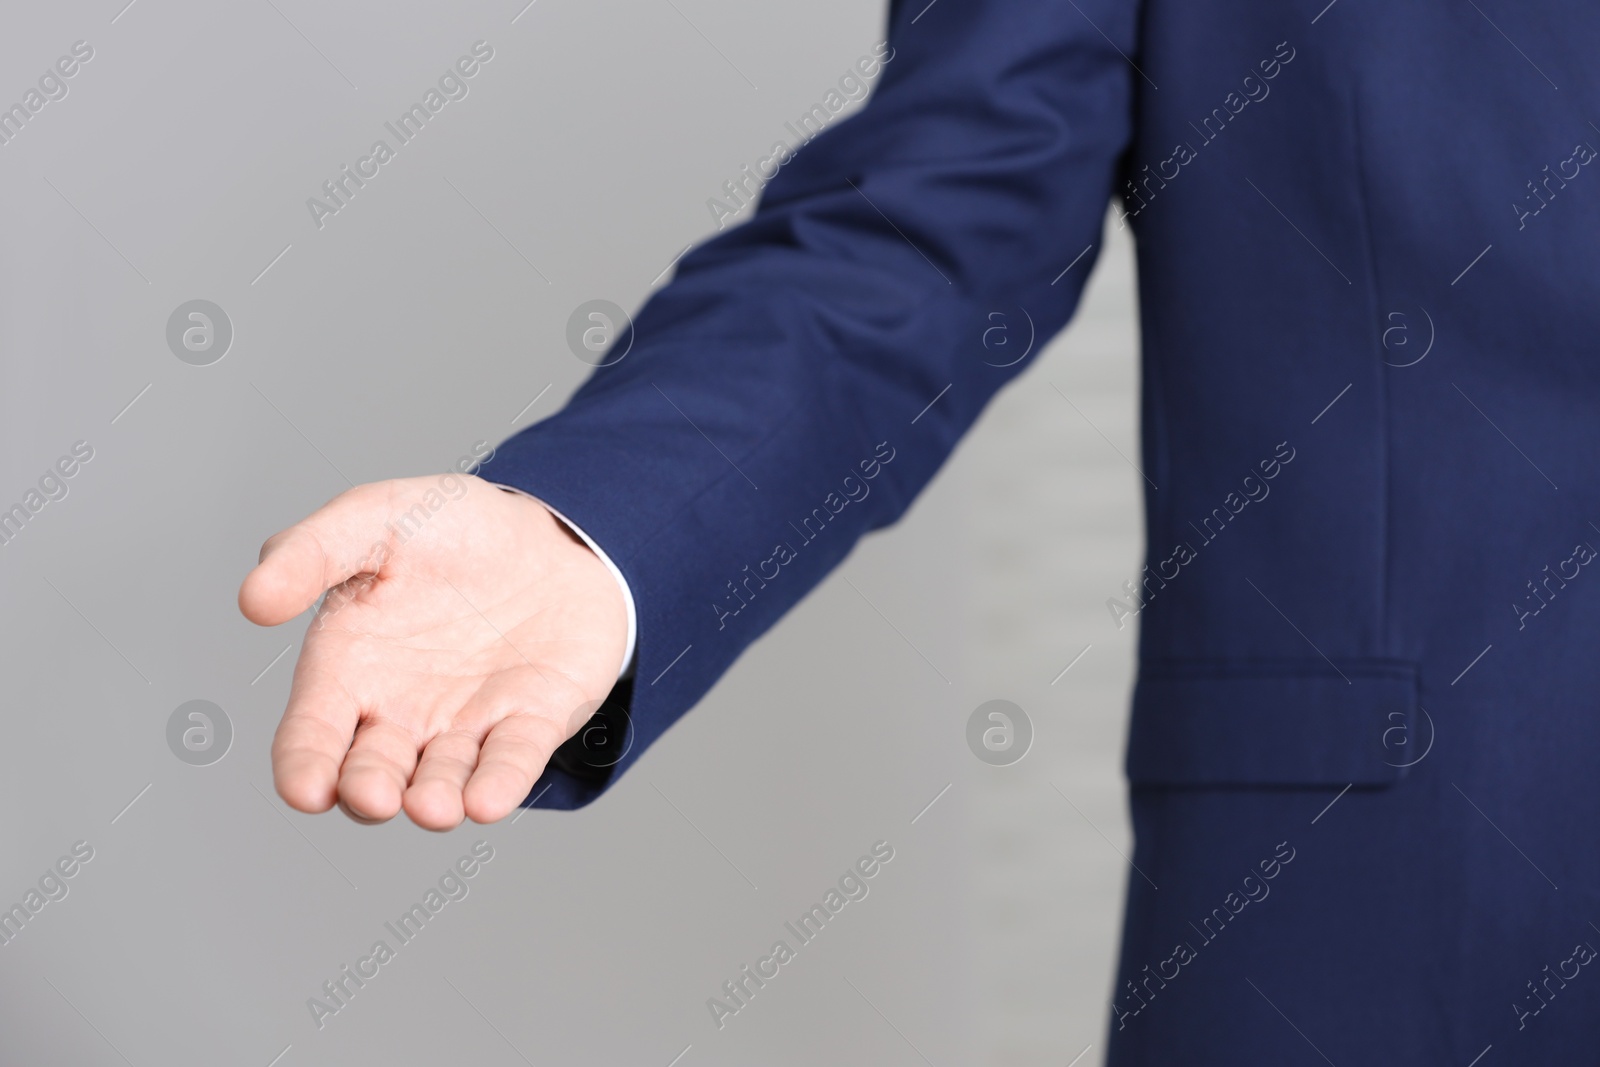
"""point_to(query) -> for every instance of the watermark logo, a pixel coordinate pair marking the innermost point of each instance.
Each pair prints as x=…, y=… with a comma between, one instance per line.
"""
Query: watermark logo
x=199, y=733
x=199, y=332
x=53, y=86
x=1143, y=986
x=1253, y=489
x=1145, y=185
x=1401, y=349
x=851, y=886
x=1541, y=192
x=999, y=733
x=591, y=328
x=743, y=189
x=52, y=486
x=51, y=887
x=453, y=85
x=1004, y=339
x=453, y=885
x=1552, y=583
x=853, y=489
x=605, y=736
x=1542, y=993
x=1398, y=742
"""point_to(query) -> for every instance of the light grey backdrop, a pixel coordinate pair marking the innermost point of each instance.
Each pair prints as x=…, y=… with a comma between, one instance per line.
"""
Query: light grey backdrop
x=423, y=317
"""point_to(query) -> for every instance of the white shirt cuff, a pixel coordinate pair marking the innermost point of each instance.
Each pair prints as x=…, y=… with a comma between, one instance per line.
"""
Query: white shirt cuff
x=622, y=583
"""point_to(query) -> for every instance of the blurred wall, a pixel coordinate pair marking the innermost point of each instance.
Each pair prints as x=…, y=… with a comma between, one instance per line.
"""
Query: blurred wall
x=430, y=313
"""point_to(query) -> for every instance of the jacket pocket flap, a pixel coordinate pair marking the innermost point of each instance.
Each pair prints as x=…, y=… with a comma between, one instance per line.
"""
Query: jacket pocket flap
x=1210, y=724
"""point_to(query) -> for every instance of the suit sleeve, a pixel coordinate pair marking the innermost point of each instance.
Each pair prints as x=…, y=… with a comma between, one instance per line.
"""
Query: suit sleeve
x=805, y=374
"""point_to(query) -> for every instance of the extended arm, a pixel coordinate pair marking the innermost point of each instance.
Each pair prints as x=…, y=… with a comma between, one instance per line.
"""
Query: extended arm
x=795, y=386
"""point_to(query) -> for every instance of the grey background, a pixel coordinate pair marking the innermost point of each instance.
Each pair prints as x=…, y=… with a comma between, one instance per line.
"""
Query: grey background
x=413, y=324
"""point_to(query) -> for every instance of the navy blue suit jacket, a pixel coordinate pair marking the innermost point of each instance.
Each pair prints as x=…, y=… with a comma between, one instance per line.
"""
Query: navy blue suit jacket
x=1365, y=724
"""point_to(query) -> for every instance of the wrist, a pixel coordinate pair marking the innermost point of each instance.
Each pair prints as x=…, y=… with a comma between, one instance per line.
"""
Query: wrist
x=573, y=530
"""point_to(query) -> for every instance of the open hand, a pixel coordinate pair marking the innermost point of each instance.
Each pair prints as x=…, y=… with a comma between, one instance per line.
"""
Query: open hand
x=466, y=634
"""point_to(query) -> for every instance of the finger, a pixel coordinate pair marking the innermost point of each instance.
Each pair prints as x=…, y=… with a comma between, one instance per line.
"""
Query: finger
x=350, y=814
x=343, y=538
x=510, y=713
x=433, y=799
x=511, y=760
x=311, y=742
x=376, y=771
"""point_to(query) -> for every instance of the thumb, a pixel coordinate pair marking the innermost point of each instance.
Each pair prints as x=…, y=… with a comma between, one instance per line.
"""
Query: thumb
x=342, y=539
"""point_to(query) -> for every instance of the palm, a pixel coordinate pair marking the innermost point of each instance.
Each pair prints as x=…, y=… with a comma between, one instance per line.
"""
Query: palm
x=480, y=643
